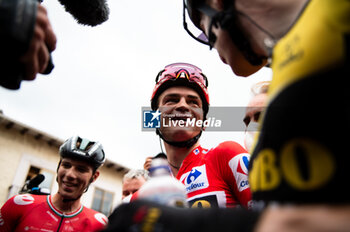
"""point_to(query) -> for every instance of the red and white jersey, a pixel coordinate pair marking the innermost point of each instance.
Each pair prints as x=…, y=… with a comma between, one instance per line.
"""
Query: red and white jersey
x=217, y=177
x=36, y=213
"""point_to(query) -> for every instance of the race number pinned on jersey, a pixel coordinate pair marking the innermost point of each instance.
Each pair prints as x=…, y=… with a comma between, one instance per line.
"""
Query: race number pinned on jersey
x=239, y=167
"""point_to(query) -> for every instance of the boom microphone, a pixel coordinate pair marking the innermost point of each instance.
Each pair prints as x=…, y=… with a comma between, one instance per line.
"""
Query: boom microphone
x=87, y=12
x=36, y=181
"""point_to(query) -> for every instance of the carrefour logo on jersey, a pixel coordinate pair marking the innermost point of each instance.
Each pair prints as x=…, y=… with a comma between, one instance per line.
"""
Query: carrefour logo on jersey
x=239, y=166
x=196, y=179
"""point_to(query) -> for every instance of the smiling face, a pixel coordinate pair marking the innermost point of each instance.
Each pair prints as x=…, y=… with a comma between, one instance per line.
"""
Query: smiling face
x=74, y=177
x=179, y=104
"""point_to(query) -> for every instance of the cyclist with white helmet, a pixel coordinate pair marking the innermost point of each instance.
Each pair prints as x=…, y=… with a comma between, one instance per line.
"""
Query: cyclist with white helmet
x=78, y=167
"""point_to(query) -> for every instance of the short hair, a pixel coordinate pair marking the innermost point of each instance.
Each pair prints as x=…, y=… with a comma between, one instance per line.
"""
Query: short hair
x=135, y=174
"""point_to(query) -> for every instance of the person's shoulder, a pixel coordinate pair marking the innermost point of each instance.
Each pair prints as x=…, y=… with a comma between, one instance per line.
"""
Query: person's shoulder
x=27, y=199
x=226, y=150
x=22, y=203
x=229, y=147
x=95, y=216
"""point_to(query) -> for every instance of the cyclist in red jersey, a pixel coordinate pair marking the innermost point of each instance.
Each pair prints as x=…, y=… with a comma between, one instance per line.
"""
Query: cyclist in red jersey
x=298, y=169
x=216, y=177
x=63, y=211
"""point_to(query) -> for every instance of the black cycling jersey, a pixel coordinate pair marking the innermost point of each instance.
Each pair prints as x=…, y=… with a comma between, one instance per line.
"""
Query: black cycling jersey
x=301, y=154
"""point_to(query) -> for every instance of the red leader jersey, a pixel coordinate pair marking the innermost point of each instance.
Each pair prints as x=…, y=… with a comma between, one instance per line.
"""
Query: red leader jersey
x=36, y=213
x=217, y=177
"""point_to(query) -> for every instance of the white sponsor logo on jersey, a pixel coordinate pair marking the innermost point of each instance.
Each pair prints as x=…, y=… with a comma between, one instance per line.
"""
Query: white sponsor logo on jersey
x=196, y=179
x=24, y=199
x=101, y=218
x=239, y=167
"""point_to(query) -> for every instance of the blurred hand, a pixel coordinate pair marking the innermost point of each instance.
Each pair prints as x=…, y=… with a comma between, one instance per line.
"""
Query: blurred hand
x=43, y=42
x=147, y=163
x=315, y=218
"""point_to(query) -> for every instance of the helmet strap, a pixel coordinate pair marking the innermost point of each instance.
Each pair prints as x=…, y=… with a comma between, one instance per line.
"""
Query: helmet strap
x=187, y=143
x=65, y=200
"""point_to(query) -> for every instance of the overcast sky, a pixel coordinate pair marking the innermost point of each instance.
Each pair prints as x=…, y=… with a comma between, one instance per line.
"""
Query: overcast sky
x=103, y=76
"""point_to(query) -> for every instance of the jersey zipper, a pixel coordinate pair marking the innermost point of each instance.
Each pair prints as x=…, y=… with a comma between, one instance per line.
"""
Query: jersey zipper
x=59, y=226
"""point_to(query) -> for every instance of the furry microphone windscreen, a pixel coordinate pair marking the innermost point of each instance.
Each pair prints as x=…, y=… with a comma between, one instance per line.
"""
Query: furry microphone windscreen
x=87, y=12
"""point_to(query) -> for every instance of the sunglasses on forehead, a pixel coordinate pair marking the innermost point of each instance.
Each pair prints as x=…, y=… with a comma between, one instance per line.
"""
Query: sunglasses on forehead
x=185, y=71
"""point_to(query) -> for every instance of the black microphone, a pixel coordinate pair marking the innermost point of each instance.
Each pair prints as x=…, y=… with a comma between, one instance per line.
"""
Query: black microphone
x=36, y=181
x=87, y=12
